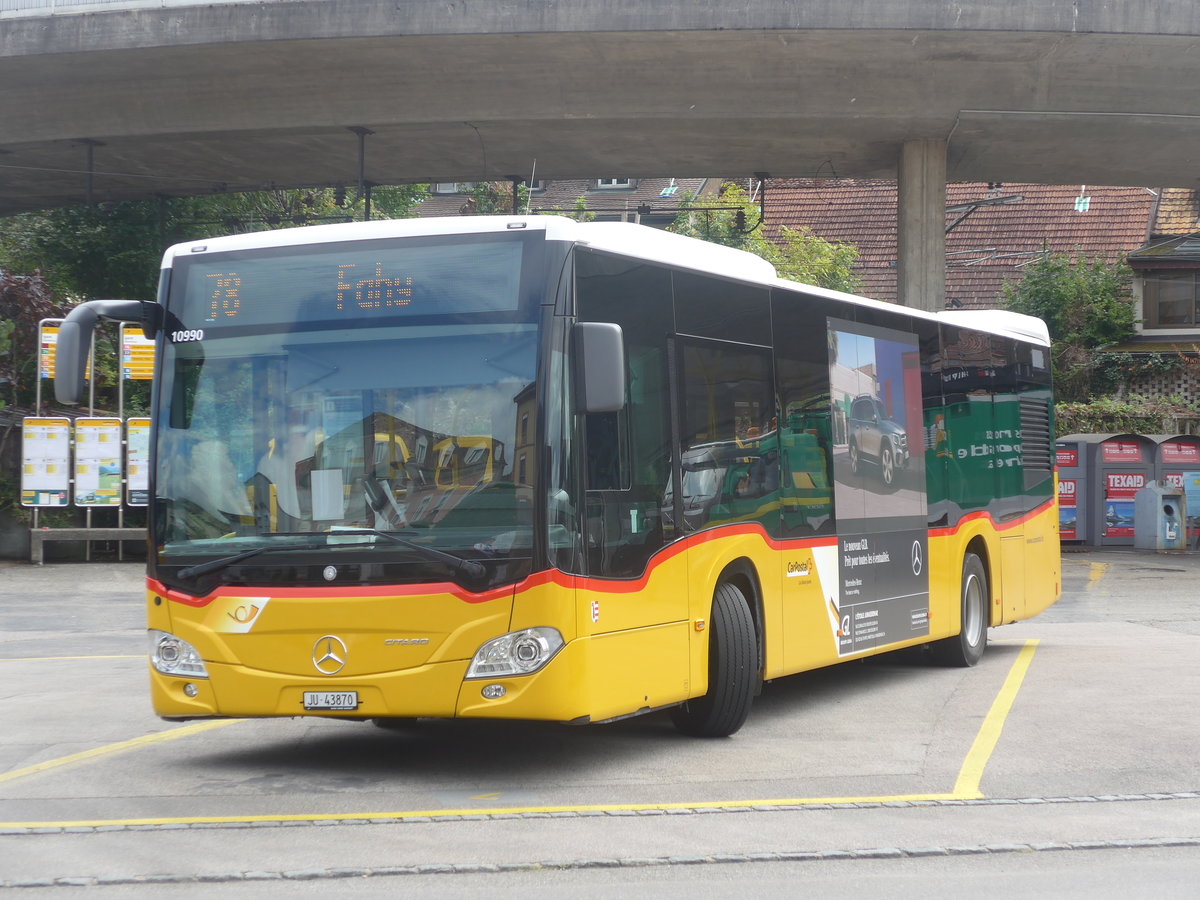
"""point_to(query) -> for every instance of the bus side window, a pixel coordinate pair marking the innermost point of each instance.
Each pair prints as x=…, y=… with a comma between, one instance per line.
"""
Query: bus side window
x=607, y=452
x=731, y=440
x=810, y=425
x=628, y=459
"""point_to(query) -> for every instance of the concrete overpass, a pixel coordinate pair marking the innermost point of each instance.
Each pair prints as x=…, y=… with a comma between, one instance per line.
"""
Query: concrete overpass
x=117, y=100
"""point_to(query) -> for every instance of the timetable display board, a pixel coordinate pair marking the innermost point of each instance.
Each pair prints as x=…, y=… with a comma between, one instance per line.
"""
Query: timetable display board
x=48, y=350
x=137, y=354
x=98, y=455
x=137, y=462
x=45, y=462
x=47, y=346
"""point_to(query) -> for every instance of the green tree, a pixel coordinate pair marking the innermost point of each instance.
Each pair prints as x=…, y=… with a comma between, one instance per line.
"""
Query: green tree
x=1086, y=305
x=494, y=198
x=796, y=253
x=114, y=249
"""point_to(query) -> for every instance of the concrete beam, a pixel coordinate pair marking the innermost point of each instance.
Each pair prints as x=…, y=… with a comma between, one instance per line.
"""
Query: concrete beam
x=187, y=98
x=921, y=225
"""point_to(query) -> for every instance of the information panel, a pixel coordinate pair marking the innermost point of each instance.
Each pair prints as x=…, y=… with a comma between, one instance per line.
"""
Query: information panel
x=1119, y=491
x=1068, y=511
x=137, y=462
x=137, y=354
x=48, y=350
x=47, y=346
x=97, y=462
x=45, y=462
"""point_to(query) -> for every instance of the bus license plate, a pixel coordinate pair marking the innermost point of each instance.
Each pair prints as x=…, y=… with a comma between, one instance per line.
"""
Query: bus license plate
x=331, y=699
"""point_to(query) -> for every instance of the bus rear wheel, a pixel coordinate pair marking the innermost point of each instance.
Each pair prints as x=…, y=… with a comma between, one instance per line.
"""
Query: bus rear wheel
x=732, y=670
x=966, y=648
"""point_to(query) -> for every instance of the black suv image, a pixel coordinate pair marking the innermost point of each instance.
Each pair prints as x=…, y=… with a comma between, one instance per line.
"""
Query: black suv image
x=875, y=437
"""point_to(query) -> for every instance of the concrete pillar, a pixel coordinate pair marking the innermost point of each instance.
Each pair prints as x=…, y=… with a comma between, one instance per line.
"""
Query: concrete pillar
x=921, y=225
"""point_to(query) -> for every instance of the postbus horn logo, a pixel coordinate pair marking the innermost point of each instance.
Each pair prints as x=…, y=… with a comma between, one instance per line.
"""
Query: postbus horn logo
x=329, y=655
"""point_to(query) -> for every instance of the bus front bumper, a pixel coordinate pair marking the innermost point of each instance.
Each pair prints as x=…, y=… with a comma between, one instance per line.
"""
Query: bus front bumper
x=436, y=690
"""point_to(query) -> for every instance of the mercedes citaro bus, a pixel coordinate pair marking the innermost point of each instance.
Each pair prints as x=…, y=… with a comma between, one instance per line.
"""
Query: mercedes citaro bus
x=530, y=468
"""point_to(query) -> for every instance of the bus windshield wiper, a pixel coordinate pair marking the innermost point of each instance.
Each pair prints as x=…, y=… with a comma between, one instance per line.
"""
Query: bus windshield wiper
x=469, y=567
x=214, y=565
x=224, y=562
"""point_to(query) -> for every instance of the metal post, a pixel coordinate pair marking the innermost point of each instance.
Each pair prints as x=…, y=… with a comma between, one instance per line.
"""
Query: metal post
x=121, y=418
x=91, y=371
x=364, y=189
x=516, y=181
x=90, y=165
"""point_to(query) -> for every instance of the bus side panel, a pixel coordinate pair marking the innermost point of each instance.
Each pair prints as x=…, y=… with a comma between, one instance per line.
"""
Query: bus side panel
x=747, y=549
x=1043, y=563
x=627, y=647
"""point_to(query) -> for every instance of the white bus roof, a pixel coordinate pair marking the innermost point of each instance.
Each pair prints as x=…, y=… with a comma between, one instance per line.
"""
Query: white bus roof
x=625, y=238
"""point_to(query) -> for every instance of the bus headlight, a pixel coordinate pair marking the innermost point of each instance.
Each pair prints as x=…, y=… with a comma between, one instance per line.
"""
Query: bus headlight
x=516, y=653
x=175, y=656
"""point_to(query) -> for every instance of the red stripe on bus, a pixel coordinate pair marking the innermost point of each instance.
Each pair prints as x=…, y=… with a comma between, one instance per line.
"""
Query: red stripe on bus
x=564, y=579
x=537, y=579
x=999, y=526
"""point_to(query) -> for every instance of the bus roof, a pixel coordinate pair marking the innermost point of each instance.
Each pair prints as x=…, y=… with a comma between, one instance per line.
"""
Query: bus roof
x=625, y=238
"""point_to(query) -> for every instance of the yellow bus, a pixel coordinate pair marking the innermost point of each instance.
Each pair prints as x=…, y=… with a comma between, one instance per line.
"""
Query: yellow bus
x=529, y=468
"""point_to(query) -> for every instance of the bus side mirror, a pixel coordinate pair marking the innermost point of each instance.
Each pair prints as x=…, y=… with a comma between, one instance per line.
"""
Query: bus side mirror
x=75, y=339
x=599, y=367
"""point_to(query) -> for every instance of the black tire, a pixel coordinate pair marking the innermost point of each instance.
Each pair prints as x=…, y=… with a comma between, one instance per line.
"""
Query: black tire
x=966, y=648
x=732, y=670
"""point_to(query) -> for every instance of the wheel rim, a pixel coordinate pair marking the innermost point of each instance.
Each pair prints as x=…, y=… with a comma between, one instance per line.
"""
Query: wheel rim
x=854, y=458
x=973, y=610
x=885, y=461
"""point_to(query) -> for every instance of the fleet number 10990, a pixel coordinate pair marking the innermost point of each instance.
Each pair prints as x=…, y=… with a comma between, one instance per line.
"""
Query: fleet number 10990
x=182, y=337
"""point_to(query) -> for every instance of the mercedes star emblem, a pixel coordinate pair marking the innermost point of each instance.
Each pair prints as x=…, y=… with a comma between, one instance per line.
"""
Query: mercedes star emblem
x=329, y=655
x=916, y=557
x=330, y=573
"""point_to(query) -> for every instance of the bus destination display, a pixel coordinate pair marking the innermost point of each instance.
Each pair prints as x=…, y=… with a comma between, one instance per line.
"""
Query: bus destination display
x=324, y=283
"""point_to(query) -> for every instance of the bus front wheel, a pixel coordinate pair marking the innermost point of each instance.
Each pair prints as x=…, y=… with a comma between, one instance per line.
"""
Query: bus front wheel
x=732, y=670
x=966, y=648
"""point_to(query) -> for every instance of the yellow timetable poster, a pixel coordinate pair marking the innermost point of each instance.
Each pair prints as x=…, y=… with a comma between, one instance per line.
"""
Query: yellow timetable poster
x=47, y=346
x=98, y=455
x=45, y=462
x=137, y=354
x=48, y=350
x=137, y=462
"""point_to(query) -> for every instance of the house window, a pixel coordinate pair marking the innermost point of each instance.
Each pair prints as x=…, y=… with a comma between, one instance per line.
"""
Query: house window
x=1169, y=299
x=452, y=187
x=614, y=183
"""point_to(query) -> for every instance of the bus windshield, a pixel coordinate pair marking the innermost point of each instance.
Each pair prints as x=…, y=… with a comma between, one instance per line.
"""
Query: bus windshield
x=271, y=432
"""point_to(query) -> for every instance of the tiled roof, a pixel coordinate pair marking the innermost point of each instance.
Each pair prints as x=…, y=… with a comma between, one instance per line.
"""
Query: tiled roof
x=1178, y=212
x=605, y=202
x=985, y=248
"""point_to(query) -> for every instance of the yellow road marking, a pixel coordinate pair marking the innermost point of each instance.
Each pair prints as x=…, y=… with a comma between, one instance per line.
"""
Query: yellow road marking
x=1096, y=571
x=971, y=773
x=965, y=788
x=109, y=749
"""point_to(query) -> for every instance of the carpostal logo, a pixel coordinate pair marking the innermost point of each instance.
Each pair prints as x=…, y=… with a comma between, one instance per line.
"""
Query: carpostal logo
x=799, y=569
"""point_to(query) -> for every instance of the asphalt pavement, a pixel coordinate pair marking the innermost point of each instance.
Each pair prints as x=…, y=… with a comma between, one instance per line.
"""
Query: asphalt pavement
x=1076, y=736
